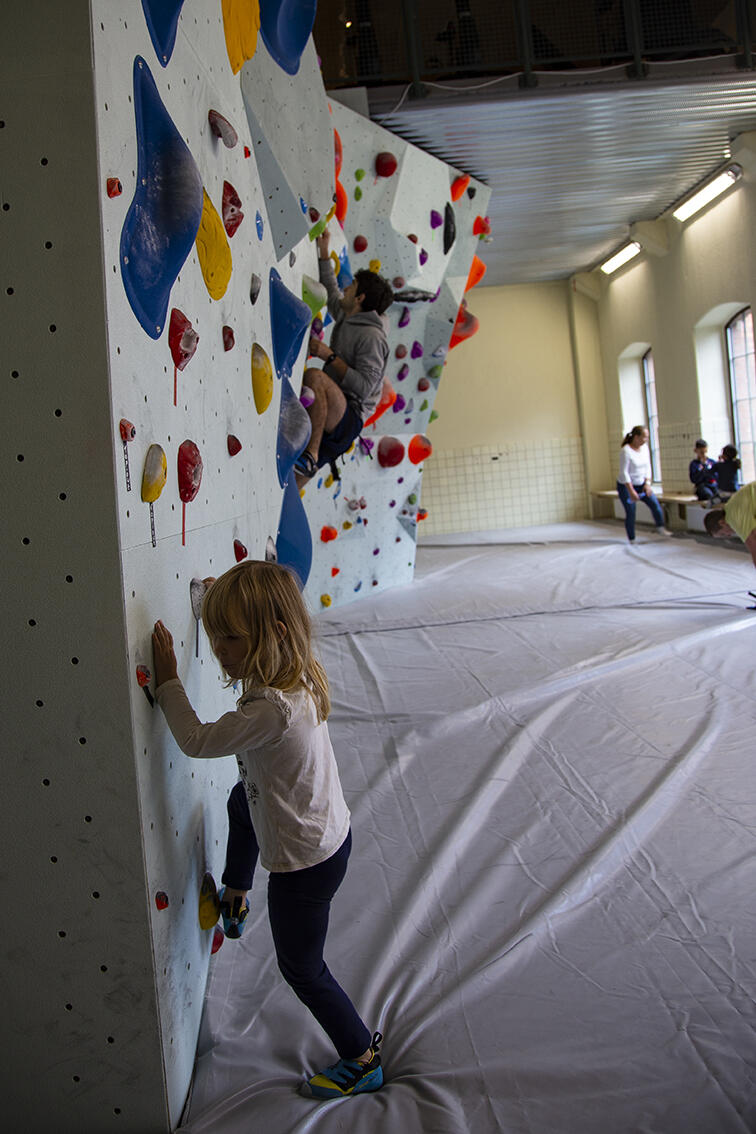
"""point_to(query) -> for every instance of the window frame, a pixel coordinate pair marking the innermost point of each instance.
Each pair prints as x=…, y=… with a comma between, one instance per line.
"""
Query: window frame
x=746, y=447
x=648, y=374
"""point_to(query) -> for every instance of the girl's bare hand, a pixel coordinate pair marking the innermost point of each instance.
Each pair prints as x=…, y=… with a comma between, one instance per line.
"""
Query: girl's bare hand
x=164, y=659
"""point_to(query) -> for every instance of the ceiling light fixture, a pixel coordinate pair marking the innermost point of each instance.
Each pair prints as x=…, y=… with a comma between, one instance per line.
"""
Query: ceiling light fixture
x=626, y=252
x=707, y=192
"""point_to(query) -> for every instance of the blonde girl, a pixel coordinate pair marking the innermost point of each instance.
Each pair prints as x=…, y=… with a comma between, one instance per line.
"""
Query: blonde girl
x=288, y=807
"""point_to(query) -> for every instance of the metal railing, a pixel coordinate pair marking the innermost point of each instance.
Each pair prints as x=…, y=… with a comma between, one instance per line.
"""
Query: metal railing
x=381, y=42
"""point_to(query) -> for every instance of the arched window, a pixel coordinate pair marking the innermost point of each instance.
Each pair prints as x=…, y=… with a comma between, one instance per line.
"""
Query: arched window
x=742, y=369
x=652, y=413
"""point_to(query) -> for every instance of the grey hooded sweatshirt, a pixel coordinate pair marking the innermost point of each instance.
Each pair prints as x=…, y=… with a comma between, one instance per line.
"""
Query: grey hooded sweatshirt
x=360, y=341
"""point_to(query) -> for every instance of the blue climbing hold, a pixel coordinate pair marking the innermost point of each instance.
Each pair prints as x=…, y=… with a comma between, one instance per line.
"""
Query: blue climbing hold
x=164, y=215
x=290, y=318
x=259, y=225
x=162, y=17
x=285, y=27
x=294, y=541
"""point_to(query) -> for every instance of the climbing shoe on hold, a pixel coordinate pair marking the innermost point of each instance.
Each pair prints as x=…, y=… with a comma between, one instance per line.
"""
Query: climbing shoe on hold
x=233, y=917
x=348, y=1076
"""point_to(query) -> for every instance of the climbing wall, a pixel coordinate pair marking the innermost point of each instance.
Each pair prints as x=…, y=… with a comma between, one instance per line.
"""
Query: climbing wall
x=163, y=167
x=418, y=222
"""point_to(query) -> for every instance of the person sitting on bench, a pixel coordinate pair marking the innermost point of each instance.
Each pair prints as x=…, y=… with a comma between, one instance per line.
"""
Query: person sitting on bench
x=348, y=388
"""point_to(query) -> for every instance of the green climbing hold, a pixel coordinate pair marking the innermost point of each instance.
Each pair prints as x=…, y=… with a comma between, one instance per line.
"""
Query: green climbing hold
x=412, y=498
x=359, y=174
x=358, y=194
x=432, y=417
x=436, y=371
x=424, y=406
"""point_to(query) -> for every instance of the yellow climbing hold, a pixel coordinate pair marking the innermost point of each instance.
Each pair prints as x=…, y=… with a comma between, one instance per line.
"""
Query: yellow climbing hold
x=241, y=23
x=213, y=250
x=346, y=525
x=336, y=263
x=155, y=474
x=326, y=600
x=375, y=265
x=209, y=905
x=262, y=378
x=328, y=480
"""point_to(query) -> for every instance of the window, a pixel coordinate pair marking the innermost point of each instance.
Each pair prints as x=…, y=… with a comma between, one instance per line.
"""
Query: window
x=652, y=414
x=740, y=358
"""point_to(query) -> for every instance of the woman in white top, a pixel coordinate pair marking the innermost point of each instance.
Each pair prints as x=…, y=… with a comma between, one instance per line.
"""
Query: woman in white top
x=634, y=481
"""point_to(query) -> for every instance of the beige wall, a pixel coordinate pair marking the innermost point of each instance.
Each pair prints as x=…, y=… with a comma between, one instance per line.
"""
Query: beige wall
x=659, y=300
x=530, y=419
x=507, y=445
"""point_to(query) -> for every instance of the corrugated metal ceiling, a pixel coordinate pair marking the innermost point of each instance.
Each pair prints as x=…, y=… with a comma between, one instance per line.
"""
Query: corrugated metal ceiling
x=571, y=168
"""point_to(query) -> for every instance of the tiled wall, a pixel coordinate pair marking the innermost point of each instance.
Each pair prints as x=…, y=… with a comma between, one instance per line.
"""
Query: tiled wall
x=507, y=486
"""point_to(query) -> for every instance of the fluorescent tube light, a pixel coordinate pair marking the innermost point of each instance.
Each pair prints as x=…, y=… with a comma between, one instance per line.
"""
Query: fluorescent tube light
x=708, y=192
x=627, y=252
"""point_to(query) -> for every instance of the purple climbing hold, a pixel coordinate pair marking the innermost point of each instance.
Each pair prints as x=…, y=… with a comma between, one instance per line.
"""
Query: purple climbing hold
x=423, y=256
x=403, y=372
x=417, y=350
x=404, y=318
x=399, y=403
x=436, y=220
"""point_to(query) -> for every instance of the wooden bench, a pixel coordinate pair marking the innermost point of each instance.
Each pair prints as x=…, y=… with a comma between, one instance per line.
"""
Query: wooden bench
x=676, y=508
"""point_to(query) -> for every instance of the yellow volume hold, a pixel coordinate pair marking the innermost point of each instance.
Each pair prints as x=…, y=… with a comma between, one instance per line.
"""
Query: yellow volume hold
x=213, y=250
x=155, y=474
x=262, y=378
x=241, y=23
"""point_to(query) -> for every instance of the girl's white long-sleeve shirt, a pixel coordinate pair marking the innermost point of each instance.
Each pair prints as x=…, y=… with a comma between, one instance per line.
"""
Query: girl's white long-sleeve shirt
x=287, y=764
x=635, y=465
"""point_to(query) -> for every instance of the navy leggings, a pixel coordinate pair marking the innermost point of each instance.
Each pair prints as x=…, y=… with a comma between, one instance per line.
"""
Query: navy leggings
x=299, y=902
x=629, y=506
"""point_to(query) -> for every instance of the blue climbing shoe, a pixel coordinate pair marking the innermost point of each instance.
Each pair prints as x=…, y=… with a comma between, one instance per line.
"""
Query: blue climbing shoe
x=233, y=919
x=348, y=1076
x=305, y=464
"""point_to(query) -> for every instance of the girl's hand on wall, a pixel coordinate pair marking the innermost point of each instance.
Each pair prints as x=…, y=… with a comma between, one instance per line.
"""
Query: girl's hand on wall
x=164, y=659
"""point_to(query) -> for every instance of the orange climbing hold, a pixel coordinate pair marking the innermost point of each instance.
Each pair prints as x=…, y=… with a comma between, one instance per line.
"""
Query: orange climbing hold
x=342, y=202
x=465, y=326
x=419, y=448
x=388, y=397
x=459, y=185
x=327, y=533
x=477, y=272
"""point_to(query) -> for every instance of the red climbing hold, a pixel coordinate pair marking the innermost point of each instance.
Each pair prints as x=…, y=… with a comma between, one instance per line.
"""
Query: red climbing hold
x=411, y=236
x=189, y=477
x=161, y=900
x=127, y=430
x=327, y=533
x=247, y=151
x=222, y=128
x=182, y=339
x=338, y=153
x=233, y=444
x=144, y=677
x=342, y=203
x=231, y=209
x=335, y=571
x=314, y=214
x=390, y=452
x=360, y=243
x=481, y=226
x=423, y=384
x=465, y=326
x=240, y=551
x=422, y=514
x=228, y=338
x=218, y=939
x=398, y=283
x=114, y=187
x=385, y=164
x=419, y=448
